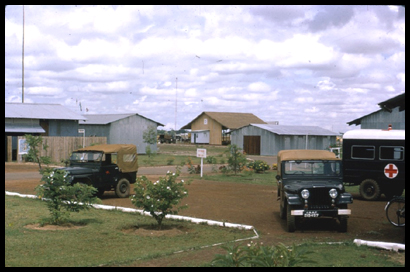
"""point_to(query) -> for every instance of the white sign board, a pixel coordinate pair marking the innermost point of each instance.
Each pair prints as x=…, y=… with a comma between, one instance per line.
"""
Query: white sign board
x=81, y=130
x=23, y=146
x=201, y=153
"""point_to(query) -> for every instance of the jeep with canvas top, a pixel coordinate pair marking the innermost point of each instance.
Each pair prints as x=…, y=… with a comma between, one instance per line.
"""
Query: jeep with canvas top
x=106, y=167
x=310, y=185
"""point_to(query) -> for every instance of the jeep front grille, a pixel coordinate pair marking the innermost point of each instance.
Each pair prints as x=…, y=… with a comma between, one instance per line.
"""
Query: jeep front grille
x=319, y=199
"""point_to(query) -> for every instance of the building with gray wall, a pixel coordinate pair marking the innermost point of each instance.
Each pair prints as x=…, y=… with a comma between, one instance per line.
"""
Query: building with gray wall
x=38, y=119
x=392, y=112
x=269, y=139
x=120, y=128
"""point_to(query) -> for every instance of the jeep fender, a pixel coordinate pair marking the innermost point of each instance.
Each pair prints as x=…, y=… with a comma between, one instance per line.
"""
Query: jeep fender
x=345, y=198
x=293, y=199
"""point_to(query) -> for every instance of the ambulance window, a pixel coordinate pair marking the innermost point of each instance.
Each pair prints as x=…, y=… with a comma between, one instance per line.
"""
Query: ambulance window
x=363, y=152
x=392, y=153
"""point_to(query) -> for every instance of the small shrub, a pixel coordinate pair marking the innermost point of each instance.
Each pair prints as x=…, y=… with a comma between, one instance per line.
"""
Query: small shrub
x=257, y=255
x=170, y=160
x=258, y=166
x=33, y=155
x=159, y=198
x=191, y=167
x=236, y=159
x=247, y=171
x=210, y=159
x=63, y=197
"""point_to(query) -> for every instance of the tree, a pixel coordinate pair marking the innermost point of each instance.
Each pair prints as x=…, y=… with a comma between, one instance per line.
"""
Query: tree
x=159, y=198
x=236, y=159
x=34, y=152
x=62, y=197
x=150, y=137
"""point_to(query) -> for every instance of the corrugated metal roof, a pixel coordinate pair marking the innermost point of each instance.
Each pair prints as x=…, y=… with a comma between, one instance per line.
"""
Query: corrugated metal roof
x=40, y=111
x=23, y=128
x=296, y=130
x=105, y=119
x=231, y=120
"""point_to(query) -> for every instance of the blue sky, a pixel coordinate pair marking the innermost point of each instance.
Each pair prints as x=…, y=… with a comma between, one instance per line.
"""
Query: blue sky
x=299, y=65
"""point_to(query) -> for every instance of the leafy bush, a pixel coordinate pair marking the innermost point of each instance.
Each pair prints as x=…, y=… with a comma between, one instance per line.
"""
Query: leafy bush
x=63, y=197
x=33, y=154
x=257, y=255
x=236, y=159
x=159, y=198
x=211, y=159
x=258, y=166
x=170, y=160
x=192, y=169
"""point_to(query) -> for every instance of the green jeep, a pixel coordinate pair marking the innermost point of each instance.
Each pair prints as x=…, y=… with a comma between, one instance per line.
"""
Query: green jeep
x=310, y=185
x=106, y=167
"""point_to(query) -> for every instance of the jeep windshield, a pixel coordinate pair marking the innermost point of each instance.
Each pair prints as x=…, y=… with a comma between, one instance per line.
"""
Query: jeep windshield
x=87, y=156
x=313, y=168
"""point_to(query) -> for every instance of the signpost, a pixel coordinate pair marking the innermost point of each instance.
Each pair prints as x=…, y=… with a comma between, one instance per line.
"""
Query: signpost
x=81, y=130
x=201, y=153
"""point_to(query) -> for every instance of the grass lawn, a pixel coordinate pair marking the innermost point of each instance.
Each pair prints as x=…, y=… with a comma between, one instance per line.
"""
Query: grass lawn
x=102, y=241
x=101, y=238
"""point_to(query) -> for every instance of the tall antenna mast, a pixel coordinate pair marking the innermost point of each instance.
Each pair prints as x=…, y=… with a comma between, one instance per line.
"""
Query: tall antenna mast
x=176, y=101
x=22, y=81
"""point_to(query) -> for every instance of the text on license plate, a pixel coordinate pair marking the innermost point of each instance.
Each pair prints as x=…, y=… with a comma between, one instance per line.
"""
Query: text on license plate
x=311, y=214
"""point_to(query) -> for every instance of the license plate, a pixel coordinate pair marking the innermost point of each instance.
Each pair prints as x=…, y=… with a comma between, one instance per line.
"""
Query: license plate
x=310, y=214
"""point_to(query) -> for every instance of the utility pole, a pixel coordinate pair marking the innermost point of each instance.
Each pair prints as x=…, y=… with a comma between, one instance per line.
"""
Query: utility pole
x=176, y=101
x=22, y=81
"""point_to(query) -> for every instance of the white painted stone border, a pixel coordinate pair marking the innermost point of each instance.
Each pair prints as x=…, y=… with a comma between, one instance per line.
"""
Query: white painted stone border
x=388, y=246
x=169, y=216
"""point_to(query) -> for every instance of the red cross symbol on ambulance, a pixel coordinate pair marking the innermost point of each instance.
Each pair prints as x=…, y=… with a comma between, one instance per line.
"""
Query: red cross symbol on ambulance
x=391, y=171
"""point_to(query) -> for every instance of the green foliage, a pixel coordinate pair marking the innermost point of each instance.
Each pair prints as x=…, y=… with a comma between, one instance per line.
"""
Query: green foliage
x=258, y=166
x=170, y=160
x=150, y=135
x=62, y=197
x=236, y=159
x=257, y=255
x=161, y=197
x=211, y=159
x=87, y=246
x=148, y=151
x=33, y=154
x=191, y=167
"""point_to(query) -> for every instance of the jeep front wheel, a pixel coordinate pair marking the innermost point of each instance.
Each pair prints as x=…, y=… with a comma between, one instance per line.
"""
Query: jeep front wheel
x=370, y=189
x=290, y=219
x=123, y=188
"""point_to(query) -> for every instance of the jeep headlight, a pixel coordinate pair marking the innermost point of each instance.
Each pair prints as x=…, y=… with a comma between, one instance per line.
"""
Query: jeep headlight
x=305, y=194
x=333, y=193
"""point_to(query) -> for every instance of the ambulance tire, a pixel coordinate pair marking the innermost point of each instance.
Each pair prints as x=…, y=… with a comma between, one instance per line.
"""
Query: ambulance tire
x=370, y=189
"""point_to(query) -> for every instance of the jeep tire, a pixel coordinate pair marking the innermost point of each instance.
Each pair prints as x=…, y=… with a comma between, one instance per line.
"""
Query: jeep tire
x=282, y=209
x=290, y=219
x=370, y=189
x=123, y=188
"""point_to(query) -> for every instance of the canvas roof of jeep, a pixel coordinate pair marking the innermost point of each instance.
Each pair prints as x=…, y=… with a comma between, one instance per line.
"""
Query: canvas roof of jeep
x=125, y=163
x=304, y=154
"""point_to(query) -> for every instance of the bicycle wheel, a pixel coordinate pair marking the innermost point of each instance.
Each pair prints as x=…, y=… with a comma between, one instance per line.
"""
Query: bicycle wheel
x=395, y=212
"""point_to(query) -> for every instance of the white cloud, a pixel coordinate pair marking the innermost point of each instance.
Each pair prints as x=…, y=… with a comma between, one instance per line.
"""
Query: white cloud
x=312, y=109
x=259, y=87
x=274, y=61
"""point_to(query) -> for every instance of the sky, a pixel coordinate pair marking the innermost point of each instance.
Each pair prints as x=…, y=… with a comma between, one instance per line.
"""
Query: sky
x=298, y=65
